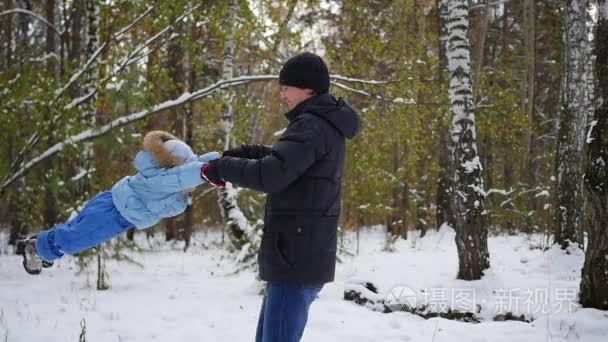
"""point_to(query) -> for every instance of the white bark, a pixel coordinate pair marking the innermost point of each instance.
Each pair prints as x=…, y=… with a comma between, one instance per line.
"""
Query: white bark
x=240, y=232
x=227, y=71
x=571, y=136
x=468, y=195
x=93, y=11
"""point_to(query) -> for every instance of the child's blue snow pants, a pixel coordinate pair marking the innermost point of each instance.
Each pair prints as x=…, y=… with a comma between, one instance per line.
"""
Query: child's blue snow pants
x=98, y=221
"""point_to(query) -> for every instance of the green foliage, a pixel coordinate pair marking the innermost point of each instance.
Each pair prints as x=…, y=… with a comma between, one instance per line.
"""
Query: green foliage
x=392, y=168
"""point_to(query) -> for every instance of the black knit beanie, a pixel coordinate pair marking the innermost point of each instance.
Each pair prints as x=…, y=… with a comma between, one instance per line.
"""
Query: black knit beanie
x=306, y=70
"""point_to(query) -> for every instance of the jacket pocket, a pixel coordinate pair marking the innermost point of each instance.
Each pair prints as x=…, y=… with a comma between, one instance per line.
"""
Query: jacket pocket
x=324, y=239
x=280, y=252
x=286, y=242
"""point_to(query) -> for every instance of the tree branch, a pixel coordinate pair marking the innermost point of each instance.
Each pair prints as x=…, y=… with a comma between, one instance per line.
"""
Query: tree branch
x=381, y=98
x=34, y=138
x=30, y=13
x=138, y=19
x=96, y=132
x=358, y=80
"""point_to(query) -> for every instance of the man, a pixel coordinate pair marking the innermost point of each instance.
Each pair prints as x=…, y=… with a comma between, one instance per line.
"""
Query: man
x=302, y=175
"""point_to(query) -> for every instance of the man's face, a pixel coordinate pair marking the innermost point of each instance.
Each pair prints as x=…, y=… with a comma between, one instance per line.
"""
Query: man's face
x=293, y=96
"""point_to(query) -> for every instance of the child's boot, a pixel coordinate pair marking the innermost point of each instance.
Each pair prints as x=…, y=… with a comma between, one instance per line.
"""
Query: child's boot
x=32, y=262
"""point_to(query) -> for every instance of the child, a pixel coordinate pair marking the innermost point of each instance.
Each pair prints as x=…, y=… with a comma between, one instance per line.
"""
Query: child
x=167, y=169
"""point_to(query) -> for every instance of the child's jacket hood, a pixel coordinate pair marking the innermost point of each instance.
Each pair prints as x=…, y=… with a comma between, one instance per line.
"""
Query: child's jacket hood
x=156, y=191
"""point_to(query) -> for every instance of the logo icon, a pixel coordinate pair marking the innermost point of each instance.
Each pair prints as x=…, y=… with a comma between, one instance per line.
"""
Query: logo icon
x=401, y=298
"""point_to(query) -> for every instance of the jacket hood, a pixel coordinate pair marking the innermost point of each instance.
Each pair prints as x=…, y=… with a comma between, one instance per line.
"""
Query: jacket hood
x=154, y=153
x=154, y=143
x=337, y=112
x=145, y=163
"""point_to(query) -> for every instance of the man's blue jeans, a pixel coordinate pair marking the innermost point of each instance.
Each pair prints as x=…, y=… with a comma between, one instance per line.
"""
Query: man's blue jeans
x=285, y=312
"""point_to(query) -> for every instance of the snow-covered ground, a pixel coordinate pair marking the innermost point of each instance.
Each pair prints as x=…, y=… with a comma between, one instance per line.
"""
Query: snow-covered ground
x=192, y=296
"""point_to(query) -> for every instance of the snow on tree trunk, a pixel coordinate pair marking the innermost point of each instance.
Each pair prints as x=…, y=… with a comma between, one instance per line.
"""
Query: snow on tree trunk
x=570, y=138
x=51, y=43
x=594, y=282
x=90, y=111
x=84, y=163
x=90, y=120
x=240, y=233
x=92, y=46
x=468, y=195
x=444, y=182
x=51, y=210
x=187, y=122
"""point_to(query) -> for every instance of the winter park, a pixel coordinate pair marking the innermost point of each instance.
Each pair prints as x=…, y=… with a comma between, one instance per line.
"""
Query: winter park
x=303, y=170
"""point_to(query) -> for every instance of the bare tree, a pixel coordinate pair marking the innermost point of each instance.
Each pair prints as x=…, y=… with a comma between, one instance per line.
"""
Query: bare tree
x=594, y=282
x=530, y=86
x=444, y=182
x=467, y=200
x=237, y=226
x=51, y=212
x=569, y=151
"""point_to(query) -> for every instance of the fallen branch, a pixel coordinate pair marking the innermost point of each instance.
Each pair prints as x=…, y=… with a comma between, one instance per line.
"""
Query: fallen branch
x=366, y=294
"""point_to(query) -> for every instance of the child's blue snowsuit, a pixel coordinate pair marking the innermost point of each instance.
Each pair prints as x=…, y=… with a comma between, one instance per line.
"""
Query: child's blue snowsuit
x=138, y=201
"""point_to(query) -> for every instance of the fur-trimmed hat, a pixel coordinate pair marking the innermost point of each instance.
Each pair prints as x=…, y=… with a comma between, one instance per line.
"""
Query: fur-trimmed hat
x=168, y=151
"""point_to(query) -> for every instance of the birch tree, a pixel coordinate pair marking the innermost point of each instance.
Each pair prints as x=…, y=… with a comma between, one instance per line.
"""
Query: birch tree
x=594, y=282
x=91, y=114
x=444, y=182
x=241, y=234
x=530, y=86
x=569, y=151
x=468, y=193
x=51, y=212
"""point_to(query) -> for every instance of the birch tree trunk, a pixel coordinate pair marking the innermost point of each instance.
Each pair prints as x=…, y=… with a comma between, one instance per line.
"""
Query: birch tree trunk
x=467, y=201
x=17, y=226
x=96, y=111
x=91, y=116
x=594, y=282
x=51, y=43
x=530, y=96
x=187, y=133
x=51, y=211
x=175, y=54
x=569, y=151
x=92, y=45
x=7, y=39
x=444, y=185
x=75, y=49
x=237, y=226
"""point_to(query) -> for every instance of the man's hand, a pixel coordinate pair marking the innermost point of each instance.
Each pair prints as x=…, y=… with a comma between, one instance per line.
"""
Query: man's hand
x=249, y=151
x=210, y=173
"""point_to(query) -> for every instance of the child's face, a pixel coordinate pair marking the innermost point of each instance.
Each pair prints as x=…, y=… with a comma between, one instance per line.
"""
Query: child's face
x=293, y=96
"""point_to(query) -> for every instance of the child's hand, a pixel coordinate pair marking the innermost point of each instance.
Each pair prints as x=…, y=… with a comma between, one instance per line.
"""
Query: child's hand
x=209, y=156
